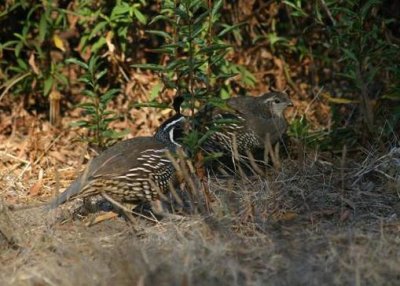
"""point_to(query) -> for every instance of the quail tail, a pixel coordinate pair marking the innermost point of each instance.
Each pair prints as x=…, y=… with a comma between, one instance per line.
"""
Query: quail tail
x=72, y=190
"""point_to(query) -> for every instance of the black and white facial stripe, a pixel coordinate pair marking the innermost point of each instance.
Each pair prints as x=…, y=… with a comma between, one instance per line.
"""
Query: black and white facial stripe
x=172, y=130
x=175, y=128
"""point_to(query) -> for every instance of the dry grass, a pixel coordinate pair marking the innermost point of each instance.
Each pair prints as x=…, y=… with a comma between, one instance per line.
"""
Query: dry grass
x=333, y=222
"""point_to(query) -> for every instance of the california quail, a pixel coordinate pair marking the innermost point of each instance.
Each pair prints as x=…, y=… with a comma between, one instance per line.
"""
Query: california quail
x=248, y=119
x=131, y=171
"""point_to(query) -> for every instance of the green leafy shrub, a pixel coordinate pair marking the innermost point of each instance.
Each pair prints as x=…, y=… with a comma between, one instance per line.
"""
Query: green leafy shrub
x=197, y=68
x=37, y=38
x=118, y=21
x=367, y=56
x=96, y=107
x=354, y=41
x=28, y=48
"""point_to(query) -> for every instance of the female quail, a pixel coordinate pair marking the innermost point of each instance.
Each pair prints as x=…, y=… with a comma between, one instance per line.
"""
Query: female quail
x=250, y=121
x=131, y=171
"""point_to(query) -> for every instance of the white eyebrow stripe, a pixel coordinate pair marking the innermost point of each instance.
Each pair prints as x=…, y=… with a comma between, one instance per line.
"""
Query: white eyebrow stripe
x=173, y=122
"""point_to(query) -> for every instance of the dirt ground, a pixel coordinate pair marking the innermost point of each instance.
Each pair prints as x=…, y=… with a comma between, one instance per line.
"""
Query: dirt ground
x=330, y=222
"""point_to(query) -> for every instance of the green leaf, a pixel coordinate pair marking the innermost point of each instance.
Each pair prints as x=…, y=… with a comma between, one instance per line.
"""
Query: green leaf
x=197, y=30
x=205, y=137
x=176, y=64
x=150, y=104
x=273, y=38
x=181, y=13
x=349, y=75
x=155, y=91
x=100, y=43
x=224, y=94
x=99, y=27
x=119, y=10
x=48, y=84
x=86, y=105
x=213, y=156
x=169, y=51
x=77, y=62
x=214, y=47
x=42, y=27
x=110, y=94
x=115, y=134
x=216, y=60
x=83, y=41
x=18, y=49
x=99, y=75
x=22, y=64
x=122, y=32
x=247, y=77
x=16, y=69
x=229, y=28
x=158, y=18
x=367, y=7
x=297, y=8
x=80, y=123
x=216, y=7
x=109, y=112
x=122, y=133
x=20, y=37
x=160, y=33
x=86, y=80
x=39, y=50
x=89, y=93
x=350, y=55
x=194, y=5
x=178, y=44
x=199, y=19
x=61, y=78
x=92, y=65
x=142, y=18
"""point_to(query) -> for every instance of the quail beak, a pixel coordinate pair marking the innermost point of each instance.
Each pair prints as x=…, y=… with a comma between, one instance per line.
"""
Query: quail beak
x=290, y=104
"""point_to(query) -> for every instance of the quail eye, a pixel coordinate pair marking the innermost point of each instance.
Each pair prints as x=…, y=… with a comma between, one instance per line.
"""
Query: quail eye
x=277, y=101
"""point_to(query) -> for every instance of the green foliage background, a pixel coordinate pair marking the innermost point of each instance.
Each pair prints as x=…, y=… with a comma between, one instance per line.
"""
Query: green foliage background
x=352, y=47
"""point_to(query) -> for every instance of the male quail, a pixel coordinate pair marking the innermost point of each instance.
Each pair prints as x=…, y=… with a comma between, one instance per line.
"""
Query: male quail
x=250, y=120
x=131, y=171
